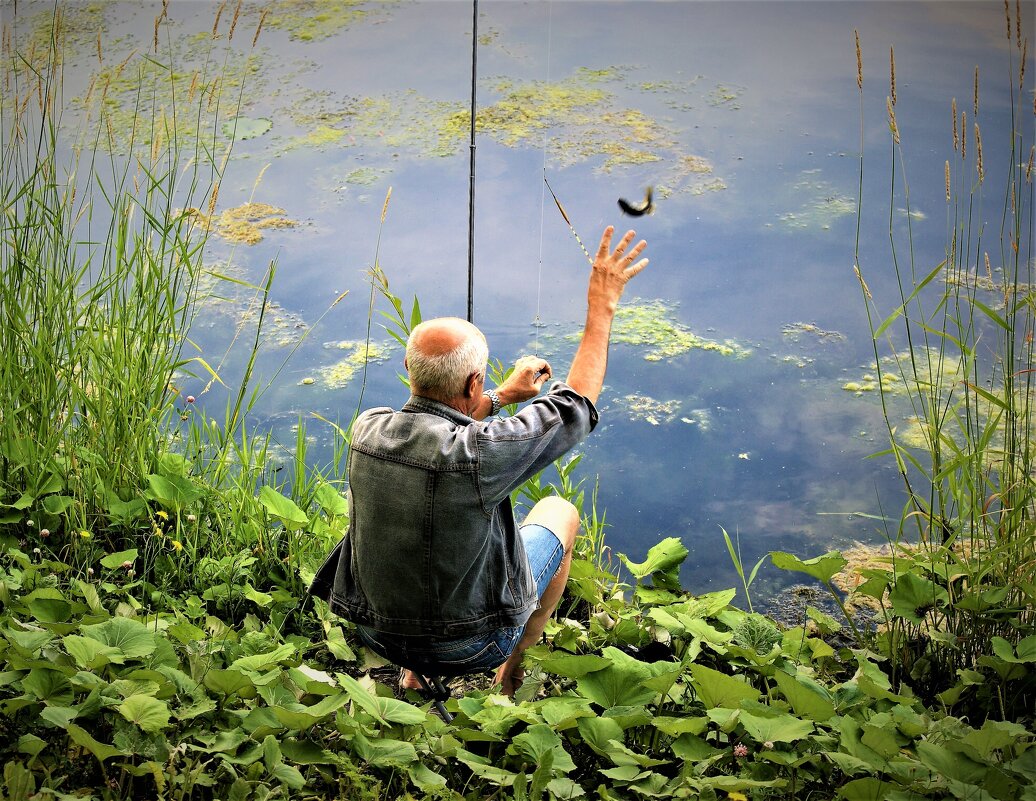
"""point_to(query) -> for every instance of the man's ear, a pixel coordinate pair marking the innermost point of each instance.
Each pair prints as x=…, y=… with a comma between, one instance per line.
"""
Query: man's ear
x=471, y=387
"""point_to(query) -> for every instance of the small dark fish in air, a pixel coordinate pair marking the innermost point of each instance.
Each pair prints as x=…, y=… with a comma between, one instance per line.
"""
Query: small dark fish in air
x=647, y=207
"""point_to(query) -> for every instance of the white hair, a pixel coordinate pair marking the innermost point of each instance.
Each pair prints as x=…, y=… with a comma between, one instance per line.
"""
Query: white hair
x=445, y=375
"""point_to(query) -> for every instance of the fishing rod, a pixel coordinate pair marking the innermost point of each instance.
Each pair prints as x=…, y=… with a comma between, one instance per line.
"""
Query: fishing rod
x=471, y=180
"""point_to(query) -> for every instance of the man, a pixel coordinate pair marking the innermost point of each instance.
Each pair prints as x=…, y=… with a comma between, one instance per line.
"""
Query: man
x=433, y=569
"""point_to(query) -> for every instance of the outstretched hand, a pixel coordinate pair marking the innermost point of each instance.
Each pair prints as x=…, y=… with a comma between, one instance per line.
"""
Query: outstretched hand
x=612, y=269
x=525, y=381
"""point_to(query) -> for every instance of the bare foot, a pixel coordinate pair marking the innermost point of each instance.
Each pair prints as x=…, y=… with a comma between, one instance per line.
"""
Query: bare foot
x=408, y=681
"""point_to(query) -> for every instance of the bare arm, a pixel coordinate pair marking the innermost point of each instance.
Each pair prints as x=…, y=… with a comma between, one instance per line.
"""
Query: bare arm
x=608, y=277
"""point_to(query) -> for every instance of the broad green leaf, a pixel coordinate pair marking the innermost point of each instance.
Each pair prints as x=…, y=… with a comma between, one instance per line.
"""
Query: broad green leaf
x=82, y=737
x=538, y=741
x=424, y=778
x=780, y=728
x=116, y=560
x=674, y=727
x=384, y=752
x=50, y=610
x=387, y=710
x=27, y=642
x=289, y=775
x=949, y=761
x=599, y=733
x=719, y=689
x=19, y=783
x=331, y=500
x=806, y=697
x=31, y=744
x=572, y=666
x=621, y=683
x=1026, y=651
x=150, y=714
x=174, y=491
x=821, y=568
x=337, y=645
x=58, y=716
x=90, y=595
x=661, y=558
x=262, y=599
x=692, y=748
x=912, y=595
x=89, y=653
x=51, y=686
x=282, y=508
x=132, y=638
x=562, y=712
x=260, y=662
x=867, y=789
x=229, y=682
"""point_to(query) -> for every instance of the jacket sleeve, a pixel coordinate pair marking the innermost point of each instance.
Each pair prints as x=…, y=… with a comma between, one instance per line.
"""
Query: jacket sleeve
x=513, y=449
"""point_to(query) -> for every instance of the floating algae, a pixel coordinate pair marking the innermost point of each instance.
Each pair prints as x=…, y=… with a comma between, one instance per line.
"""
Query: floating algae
x=242, y=128
x=823, y=206
x=244, y=224
x=796, y=331
x=650, y=410
x=337, y=375
x=311, y=20
x=651, y=324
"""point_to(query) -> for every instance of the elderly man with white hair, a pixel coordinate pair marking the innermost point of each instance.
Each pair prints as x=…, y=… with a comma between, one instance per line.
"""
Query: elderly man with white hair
x=434, y=570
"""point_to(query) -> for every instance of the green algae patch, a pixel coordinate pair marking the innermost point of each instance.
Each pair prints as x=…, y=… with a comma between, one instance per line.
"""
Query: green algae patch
x=650, y=410
x=241, y=128
x=821, y=204
x=244, y=224
x=358, y=353
x=796, y=332
x=312, y=20
x=652, y=326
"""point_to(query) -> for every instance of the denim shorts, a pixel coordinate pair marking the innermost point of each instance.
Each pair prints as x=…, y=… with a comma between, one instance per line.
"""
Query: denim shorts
x=483, y=651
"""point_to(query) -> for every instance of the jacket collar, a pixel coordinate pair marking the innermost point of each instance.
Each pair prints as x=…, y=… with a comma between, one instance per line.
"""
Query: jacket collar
x=418, y=403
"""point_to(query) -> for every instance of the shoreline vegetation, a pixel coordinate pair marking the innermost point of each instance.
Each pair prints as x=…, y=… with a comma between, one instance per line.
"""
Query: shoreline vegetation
x=154, y=640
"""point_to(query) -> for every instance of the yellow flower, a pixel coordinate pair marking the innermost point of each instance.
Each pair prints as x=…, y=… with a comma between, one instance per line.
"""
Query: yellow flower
x=162, y=514
x=177, y=545
x=85, y=534
x=736, y=796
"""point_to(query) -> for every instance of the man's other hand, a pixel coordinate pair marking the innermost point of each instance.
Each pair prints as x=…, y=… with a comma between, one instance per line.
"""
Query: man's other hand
x=525, y=381
x=613, y=268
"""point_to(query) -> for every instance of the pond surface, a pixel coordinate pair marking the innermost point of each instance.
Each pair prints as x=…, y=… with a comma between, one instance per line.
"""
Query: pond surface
x=726, y=401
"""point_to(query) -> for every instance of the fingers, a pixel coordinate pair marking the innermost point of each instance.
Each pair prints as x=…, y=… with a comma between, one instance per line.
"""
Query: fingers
x=636, y=268
x=606, y=242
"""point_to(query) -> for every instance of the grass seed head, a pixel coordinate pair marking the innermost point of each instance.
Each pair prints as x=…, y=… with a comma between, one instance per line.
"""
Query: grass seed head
x=978, y=153
x=956, y=136
x=233, y=22
x=259, y=27
x=892, y=74
x=892, y=119
x=219, y=13
x=947, y=180
x=976, y=92
x=859, y=61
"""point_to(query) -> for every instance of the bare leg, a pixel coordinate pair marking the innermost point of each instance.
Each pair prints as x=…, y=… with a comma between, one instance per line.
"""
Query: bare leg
x=562, y=518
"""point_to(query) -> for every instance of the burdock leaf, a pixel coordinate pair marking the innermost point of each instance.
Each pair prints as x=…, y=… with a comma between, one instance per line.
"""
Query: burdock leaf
x=150, y=714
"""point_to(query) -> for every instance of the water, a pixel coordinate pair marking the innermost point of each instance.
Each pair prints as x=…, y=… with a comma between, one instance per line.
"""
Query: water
x=747, y=119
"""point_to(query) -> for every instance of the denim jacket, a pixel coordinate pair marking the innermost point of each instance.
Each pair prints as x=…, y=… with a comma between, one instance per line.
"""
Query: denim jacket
x=432, y=546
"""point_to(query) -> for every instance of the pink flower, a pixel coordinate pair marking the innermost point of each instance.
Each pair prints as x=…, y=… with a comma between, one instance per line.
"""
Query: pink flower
x=127, y=565
x=740, y=750
x=190, y=399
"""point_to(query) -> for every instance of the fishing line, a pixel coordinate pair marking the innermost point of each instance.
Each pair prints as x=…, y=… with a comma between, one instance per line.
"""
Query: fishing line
x=537, y=324
x=471, y=180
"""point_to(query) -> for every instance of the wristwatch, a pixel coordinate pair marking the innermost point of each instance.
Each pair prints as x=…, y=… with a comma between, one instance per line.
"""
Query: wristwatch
x=495, y=398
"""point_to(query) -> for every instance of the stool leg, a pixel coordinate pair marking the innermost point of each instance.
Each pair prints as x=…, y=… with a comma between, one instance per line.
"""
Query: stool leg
x=434, y=687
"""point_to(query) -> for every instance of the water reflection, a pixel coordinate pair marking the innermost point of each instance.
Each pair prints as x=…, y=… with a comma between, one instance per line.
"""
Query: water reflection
x=736, y=395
